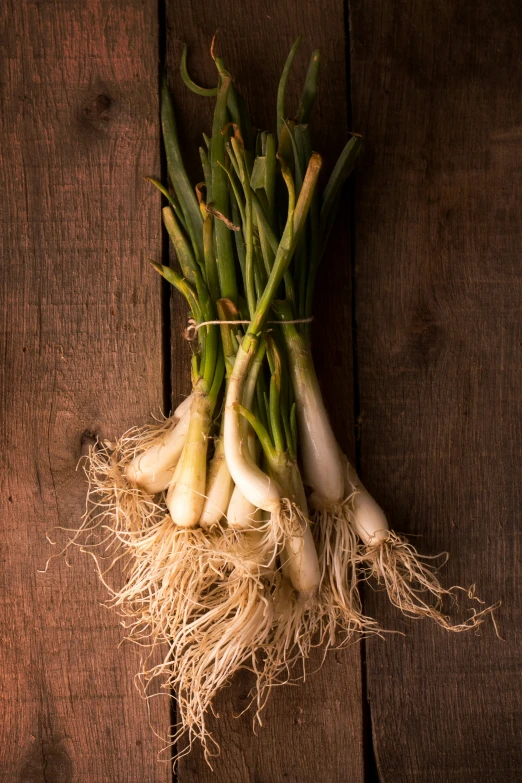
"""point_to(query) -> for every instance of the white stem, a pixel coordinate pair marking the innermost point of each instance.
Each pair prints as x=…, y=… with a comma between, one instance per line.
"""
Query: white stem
x=182, y=408
x=219, y=489
x=323, y=469
x=254, y=484
x=187, y=498
x=299, y=557
x=172, y=484
x=370, y=520
x=241, y=513
x=152, y=470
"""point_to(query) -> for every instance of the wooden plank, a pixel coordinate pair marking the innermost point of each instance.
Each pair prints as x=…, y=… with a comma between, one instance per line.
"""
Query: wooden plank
x=81, y=337
x=436, y=92
x=313, y=731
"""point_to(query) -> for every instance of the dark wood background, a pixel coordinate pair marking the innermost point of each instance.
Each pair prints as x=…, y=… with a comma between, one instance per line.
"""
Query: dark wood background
x=423, y=283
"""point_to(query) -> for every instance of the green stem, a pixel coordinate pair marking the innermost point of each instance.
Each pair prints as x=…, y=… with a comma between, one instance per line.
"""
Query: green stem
x=239, y=239
x=207, y=172
x=309, y=90
x=296, y=220
x=228, y=312
x=218, y=380
x=210, y=259
x=275, y=414
x=270, y=173
x=182, y=286
x=171, y=199
x=261, y=432
x=182, y=246
x=248, y=227
x=281, y=90
x=281, y=263
x=224, y=251
x=342, y=170
x=178, y=175
x=264, y=222
x=235, y=190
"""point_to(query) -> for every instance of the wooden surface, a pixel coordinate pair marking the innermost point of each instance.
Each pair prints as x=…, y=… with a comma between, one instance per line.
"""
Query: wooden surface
x=82, y=352
x=438, y=293
x=435, y=89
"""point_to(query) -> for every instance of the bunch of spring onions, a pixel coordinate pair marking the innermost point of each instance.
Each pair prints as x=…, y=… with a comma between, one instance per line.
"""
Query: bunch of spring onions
x=243, y=527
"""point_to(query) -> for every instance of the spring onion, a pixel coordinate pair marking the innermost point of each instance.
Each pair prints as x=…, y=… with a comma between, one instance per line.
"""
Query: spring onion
x=244, y=530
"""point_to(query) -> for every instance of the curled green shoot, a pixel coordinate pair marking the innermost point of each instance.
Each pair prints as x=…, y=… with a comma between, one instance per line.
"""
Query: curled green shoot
x=207, y=92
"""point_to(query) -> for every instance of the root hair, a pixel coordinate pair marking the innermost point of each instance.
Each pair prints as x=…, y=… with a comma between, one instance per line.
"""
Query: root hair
x=412, y=584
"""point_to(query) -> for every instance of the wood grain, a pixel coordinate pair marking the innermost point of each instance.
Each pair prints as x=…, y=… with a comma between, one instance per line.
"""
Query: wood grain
x=314, y=731
x=436, y=92
x=81, y=337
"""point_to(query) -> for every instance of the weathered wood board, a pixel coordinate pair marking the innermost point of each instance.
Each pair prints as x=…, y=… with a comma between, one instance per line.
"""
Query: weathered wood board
x=81, y=333
x=435, y=89
x=436, y=92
